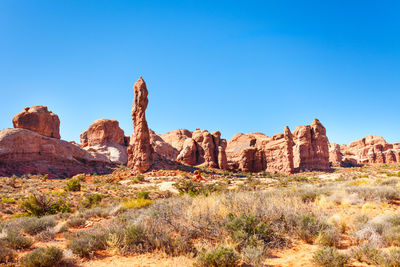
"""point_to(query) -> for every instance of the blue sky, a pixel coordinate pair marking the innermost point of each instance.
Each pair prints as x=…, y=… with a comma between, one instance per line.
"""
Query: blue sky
x=232, y=66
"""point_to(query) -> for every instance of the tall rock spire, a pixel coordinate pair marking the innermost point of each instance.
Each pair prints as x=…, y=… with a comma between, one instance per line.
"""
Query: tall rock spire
x=140, y=150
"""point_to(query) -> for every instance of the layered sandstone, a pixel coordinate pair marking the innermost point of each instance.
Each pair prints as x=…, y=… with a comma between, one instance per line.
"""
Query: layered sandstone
x=311, y=150
x=24, y=151
x=107, y=138
x=38, y=119
x=335, y=156
x=140, y=150
x=370, y=149
x=255, y=152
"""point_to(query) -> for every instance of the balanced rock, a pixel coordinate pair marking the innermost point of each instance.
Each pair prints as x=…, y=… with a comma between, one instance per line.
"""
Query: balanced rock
x=140, y=150
x=38, y=119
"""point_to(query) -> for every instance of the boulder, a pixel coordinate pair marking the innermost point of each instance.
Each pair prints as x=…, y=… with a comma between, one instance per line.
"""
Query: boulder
x=140, y=150
x=188, y=154
x=38, y=119
x=107, y=138
x=24, y=151
x=102, y=132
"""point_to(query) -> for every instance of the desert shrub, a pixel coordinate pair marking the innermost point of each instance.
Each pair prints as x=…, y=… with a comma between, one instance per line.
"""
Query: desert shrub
x=218, y=257
x=248, y=230
x=392, y=236
x=368, y=254
x=76, y=221
x=73, y=184
x=143, y=195
x=40, y=204
x=309, y=194
x=91, y=200
x=308, y=227
x=369, y=234
x=137, y=203
x=96, y=212
x=328, y=237
x=14, y=239
x=392, y=258
x=46, y=235
x=86, y=243
x=254, y=255
x=330, y=257
x=131, y=238
x=34, y=225
x=43, y=257
x=188, y=186
x=382, y=193
x=6, y=255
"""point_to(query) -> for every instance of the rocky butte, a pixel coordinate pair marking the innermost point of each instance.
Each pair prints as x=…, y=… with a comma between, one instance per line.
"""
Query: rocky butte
x=35, y=146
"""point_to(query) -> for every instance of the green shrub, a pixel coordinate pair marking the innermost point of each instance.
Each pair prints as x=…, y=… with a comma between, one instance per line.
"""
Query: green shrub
x=91, y=200
x=43, y=257
x=218, y=257
x=192, y=188
x=143, y=195
x=14, y=239
x=308, y=227
x=74, y=184
x=330, y=257
x=87, y=243
x=248, y=230
x=40, y=204
x=6, y=255
x=35, y=225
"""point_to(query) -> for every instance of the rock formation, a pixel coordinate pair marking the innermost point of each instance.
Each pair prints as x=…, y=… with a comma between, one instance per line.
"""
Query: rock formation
x=23, y=151
x=370, y=149
x=107, y=138
x=278, y=153
x=311, y=150
x=140, y=150
x=188, y=154
x=257, y=152
x=38, y=119
x=162, y=148
x=335, y=156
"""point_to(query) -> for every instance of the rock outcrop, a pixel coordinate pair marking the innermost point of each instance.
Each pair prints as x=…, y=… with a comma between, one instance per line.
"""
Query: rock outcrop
x=278, y=153
x=24, y=151
x=162, y=148
x=335, y=156
x=255, y=152
x=38, y=119
x=370, y=149
x=311, y=150
x=107, y=138
x=140, y=150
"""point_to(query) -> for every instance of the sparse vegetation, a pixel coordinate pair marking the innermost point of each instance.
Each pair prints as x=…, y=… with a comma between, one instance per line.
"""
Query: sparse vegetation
x=220, y=219
x=43, y=257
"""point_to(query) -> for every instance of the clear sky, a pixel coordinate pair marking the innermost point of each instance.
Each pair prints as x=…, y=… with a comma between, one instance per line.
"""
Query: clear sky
x=232, y=66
